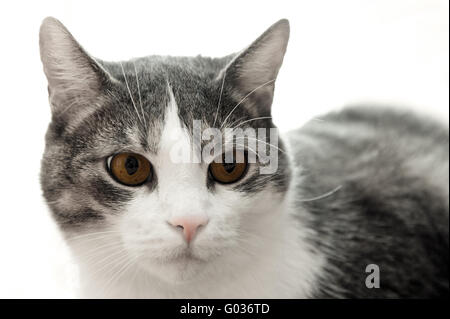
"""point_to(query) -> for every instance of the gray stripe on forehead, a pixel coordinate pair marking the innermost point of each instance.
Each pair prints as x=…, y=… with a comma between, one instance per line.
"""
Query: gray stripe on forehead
x=116, y=122
x=147, y=88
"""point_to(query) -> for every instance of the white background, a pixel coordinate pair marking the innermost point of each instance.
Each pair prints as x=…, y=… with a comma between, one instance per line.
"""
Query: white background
x=340, y=52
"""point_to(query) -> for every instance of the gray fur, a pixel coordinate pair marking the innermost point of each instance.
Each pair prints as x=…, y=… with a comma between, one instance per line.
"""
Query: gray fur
x=386, y=212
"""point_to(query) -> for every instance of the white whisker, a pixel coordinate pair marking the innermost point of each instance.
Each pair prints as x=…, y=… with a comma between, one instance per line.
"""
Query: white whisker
x=140, y=97
x=129, y=91
x=109, y=260
x=245, y=97
x=96, y=254
x=258, y=140
x=248, y=147
x=89, y=240
x=322, y=196
x=220, y=98
x=251, y=120
x=116, y=276
x=92, y=234
x=239, y=119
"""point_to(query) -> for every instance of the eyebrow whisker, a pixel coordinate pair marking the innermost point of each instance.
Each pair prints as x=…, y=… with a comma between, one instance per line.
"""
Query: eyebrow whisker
x=140, y=97
x=131, y=96
x=220, y=97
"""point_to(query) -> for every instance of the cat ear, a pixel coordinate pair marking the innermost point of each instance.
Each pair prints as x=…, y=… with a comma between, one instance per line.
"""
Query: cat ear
x=74, y=78
x=253, y=71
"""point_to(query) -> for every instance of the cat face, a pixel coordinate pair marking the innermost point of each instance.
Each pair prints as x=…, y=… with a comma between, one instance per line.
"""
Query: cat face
x=112, y=174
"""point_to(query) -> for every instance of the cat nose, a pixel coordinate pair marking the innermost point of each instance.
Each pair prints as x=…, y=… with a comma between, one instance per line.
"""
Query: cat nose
x=189, y=225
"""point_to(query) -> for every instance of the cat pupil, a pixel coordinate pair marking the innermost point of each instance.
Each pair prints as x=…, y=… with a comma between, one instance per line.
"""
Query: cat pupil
x=229, y=167
x=131, y=165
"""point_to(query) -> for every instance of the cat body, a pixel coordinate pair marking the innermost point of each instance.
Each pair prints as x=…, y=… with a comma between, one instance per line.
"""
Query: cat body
x=391, y=207
x=359, y=187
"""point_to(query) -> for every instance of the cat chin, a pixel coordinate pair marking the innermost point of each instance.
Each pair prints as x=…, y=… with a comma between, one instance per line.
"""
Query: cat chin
x=176, y=271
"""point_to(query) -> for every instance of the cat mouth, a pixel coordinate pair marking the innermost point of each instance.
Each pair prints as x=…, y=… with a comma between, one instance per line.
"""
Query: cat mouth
x=186, y=256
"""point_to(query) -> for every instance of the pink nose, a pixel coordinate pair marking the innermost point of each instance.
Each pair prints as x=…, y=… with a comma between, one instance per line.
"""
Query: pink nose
x=189, y=225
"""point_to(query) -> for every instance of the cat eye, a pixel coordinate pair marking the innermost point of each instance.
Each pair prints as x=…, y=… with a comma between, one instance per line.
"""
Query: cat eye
x=129, y=168
x=227, y=173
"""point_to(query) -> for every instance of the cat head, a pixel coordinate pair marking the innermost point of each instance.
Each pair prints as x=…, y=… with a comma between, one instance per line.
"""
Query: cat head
x=111, y=172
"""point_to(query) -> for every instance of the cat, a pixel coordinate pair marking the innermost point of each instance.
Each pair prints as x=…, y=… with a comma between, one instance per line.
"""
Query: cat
x=358, y=206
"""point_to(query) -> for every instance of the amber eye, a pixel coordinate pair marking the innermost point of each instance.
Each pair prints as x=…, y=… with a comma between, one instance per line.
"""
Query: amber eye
x=227, y=173
x=130, y=169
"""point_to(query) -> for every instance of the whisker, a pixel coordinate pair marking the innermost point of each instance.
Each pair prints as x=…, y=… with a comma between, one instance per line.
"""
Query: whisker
x=248, y=147
x=220, y=98
x=94, y=252
x=140, y=97
x=116, y=276
x=119, y=102
x=258, y=140
x=129, y=91
x=68, y=107
x=251, y=120
x=122, y=255
x=83, y=241
x=245, y=97
x=322, y=196
x=239, y=119
x=92, y=234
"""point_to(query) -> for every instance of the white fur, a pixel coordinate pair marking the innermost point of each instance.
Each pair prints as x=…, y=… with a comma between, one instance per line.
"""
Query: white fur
x=251, y=247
